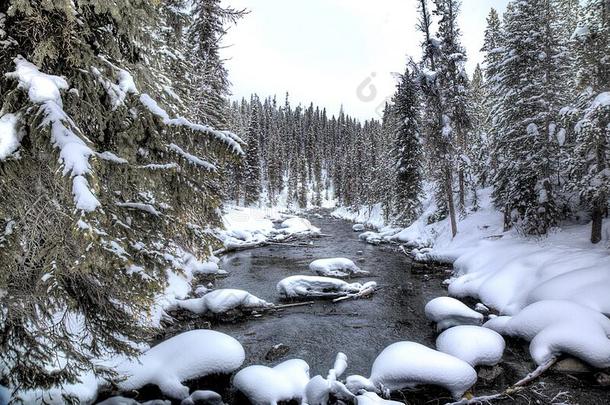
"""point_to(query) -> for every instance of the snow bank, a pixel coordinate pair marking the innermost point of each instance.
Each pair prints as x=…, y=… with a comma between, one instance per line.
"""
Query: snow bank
x=475, y=345
x=448, y=312
x=221, y=301
x=316, y=287
x=297, y=225
x=559, y=327
x=335, y=267
x=267, y=386
x=408, y=364
x=190, y=355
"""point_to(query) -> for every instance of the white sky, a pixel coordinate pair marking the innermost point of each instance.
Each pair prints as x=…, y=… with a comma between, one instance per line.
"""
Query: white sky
x=322, y=51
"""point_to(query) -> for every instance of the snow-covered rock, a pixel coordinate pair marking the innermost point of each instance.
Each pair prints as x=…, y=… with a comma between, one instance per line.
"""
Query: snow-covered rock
x=358, y=227
x=448, y=312
x=559, y=327
x=221, y=301
x=482, y=308
x=315, y=286
x=298, y=225
x=203, y=398
x=267, y=386
x=475, y=345
x=374, y=238
x=371, y=398
x=190, y=355
x=408, y=364
x=335, y=267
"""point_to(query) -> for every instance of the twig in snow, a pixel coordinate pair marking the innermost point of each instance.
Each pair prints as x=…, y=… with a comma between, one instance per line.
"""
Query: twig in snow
x=296, y=304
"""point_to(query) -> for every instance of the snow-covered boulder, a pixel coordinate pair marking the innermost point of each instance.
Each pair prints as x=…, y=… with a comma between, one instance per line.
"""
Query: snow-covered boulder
x=448, y=312
x=318, y=287
x=557, y=327
x=358, y=227
x=373, y=238
x=129, y=401
x=408, y=364
x=267, y=386
x=475, y=345
x=336, y=267
x=190, y=355
x=371, y=398
x=298, y=225
x=203, y=398
x=221, y=301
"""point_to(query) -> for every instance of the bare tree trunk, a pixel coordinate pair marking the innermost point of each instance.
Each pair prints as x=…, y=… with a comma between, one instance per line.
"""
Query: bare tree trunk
x=462, y=191
x=450, y=204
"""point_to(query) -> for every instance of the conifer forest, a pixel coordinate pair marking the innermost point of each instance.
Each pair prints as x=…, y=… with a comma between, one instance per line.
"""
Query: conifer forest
x=170, y=236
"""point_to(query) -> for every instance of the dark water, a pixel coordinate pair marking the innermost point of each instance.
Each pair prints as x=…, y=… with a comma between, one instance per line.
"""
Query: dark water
x=315, y=333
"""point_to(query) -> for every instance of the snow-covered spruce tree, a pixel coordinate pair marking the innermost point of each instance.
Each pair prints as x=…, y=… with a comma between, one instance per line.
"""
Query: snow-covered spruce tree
x=437, y=116
x=210, y=21
x=590, y=163
x=479, y=150
x=529, y=79
x=407, y=150
x=493, y=56
x=101, y=190
x=252, y=164
x=454, y=82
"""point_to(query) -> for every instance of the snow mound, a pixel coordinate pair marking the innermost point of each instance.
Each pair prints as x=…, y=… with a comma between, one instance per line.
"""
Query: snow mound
x=298, y=225
x=557, y=327
x=371, y=398
x=358, y=227
x=336, y=267
x=315, y=286
x=408, y=364
x=221, y=301
x=10, y=136
x=475, y=345
x=448, y=312
x=267, y=386
x=190, y=355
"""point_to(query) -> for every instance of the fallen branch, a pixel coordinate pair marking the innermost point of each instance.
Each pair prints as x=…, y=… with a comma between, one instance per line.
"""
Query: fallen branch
x=536, y=373
x=362, y=294
x=296, y=304
x=516, y=387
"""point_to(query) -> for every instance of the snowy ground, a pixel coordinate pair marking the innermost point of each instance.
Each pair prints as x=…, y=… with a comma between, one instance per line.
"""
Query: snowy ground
x=513, y=273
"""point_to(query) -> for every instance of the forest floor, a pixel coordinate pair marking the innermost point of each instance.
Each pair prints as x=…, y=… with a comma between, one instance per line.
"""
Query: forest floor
x=363, y=328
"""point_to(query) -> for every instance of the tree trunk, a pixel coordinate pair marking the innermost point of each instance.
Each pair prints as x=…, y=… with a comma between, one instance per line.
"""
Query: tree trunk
x=450, y=204
x=597, y=216
x=462, y=192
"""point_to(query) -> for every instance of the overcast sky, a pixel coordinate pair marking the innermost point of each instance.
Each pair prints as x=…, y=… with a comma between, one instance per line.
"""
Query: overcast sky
x=334, y=52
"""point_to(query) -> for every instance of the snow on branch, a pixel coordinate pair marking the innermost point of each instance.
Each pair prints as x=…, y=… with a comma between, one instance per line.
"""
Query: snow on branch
x=226, y=137
x=191, y=158
x=10, y=136
x=44, y=90
x=140, y=206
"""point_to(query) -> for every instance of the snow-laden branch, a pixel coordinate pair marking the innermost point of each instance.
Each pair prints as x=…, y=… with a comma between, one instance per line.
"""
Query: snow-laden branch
x=228, y=138
x=44, y=90
x=191, y=158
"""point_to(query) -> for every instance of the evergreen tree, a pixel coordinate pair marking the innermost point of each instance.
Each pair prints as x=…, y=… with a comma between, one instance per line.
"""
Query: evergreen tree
x=529, y=75
x=407, y=151
x=252, y=166
x=102, y=191
x=589, y=166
